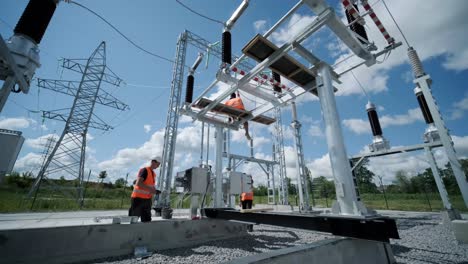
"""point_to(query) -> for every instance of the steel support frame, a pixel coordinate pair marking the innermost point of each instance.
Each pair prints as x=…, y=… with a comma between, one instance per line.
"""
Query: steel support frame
x=373, y=228
x=347, y=200
x=234, y=160
x=301, y=176
x=423, y=82
x=170, y=133
x=280, y=158
x=314, y=26
x=427, y=147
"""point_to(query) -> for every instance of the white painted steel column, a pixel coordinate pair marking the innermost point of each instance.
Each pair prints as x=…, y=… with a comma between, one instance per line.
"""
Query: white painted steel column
x=445, y=138
x=345, y=193
x=440, y=185
x=218, y=199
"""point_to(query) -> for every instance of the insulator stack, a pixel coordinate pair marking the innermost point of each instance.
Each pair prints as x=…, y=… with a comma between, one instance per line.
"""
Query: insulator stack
x=189, y=90
x=423, y=105
x=277, y=79
x=373, y=119
x=35, y=19
x=226, y=47
x=377, y=22
x=356, y=27
x=415, y=62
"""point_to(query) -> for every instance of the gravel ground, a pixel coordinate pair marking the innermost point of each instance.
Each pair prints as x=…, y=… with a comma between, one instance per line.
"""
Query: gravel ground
x=423, y=240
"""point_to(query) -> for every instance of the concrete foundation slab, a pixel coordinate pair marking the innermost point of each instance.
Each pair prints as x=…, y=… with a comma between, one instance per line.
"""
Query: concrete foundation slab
x=67, y=244
x=460, y=229
x=330, y=251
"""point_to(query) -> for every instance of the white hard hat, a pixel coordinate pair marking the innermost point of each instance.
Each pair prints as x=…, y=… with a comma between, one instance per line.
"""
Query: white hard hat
x=157, y=159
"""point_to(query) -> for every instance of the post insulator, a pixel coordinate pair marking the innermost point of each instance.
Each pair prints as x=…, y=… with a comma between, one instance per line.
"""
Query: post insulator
x=415, y=62
x=277, y=78
x=356, y=27
x=189, y=90
x=35, y=19
x=423, y=105
x=373, y=119
x=226, y=47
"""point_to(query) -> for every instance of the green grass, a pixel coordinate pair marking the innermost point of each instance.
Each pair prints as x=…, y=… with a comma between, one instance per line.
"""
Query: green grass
x=14, y=200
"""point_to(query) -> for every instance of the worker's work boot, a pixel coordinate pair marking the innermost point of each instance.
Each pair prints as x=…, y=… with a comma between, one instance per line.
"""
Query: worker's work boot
x=248, y=136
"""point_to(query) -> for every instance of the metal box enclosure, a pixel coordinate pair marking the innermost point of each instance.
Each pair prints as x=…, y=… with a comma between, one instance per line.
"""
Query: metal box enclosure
x=193, y=180
x=239, y=182
x=11, y=142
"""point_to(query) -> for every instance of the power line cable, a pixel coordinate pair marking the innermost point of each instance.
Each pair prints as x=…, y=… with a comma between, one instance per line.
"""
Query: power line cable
x=199, y=14
x=394, y=21
x=122, y=34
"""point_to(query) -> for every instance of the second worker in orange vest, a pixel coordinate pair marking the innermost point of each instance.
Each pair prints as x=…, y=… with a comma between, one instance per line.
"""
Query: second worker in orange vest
x=236, y=102
x=246, y=200
x=143, y=191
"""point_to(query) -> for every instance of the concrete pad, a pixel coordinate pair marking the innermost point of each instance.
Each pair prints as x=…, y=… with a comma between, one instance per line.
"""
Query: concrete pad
x=67, y=244
x=460, y=229
x=330, y=251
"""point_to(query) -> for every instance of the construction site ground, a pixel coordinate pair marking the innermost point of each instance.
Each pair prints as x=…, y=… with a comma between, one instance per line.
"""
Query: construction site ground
x=424, y=239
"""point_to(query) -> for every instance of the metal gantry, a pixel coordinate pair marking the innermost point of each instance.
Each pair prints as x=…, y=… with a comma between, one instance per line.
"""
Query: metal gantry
x=302, y=174
x=170, y=134
x=68, y=156
x=280, y=158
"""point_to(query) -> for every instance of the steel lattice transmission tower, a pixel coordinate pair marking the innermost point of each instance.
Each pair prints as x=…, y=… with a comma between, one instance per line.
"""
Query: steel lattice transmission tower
x=279, y=157
x=69, y=153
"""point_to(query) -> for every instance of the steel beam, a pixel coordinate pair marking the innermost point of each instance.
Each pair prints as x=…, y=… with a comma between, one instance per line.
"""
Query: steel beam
x=374, y=228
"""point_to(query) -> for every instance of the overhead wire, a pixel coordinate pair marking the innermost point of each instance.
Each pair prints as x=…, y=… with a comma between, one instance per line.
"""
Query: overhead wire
x=394, y=21
x=122, y=34
x=199, y=14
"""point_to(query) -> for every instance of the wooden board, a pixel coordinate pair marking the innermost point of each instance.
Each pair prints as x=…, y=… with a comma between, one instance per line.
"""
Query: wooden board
x=229, y=110
x=260, y=48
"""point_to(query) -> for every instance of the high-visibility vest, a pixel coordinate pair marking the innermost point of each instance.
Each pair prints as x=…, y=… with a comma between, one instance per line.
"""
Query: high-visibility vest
x=236, y=103
x=150, y=181
x=247, y=196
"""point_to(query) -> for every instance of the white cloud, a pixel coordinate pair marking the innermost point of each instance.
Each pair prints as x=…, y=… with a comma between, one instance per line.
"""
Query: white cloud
x=315, y=131
x=16, y=123
x=293, y=27
x=461, y=146
x=40, y=142
x=459, y=108
x=360, y=126
x=147, y=128
x=321, y=167
x=260, y=26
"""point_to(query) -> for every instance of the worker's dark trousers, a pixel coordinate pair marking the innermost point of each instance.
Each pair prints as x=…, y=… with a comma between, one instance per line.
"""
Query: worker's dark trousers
x=142, y=208
x=247, y=204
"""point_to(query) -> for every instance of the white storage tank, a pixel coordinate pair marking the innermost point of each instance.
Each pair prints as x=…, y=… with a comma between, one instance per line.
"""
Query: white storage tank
x=10, y=145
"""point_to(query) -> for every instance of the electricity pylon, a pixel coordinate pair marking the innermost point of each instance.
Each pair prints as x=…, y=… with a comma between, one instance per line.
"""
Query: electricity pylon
x=68, y=156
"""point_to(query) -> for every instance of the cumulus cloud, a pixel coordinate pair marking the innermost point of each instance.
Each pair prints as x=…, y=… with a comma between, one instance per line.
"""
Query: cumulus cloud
x=260, y=26
x=40, y=142
x=360, y=126
x=16, y=123
x=459, y=108
x=147, y=128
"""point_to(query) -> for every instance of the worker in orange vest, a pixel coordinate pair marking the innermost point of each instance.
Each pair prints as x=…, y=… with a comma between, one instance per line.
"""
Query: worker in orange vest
x=143, y=191
x=246, y=200
x=236, y=102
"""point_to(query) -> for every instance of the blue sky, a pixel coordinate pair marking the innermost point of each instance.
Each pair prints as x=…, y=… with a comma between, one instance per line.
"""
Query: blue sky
x=155, y=25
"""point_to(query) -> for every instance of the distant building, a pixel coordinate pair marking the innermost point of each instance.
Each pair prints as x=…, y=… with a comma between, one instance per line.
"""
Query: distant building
x=11, y=142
